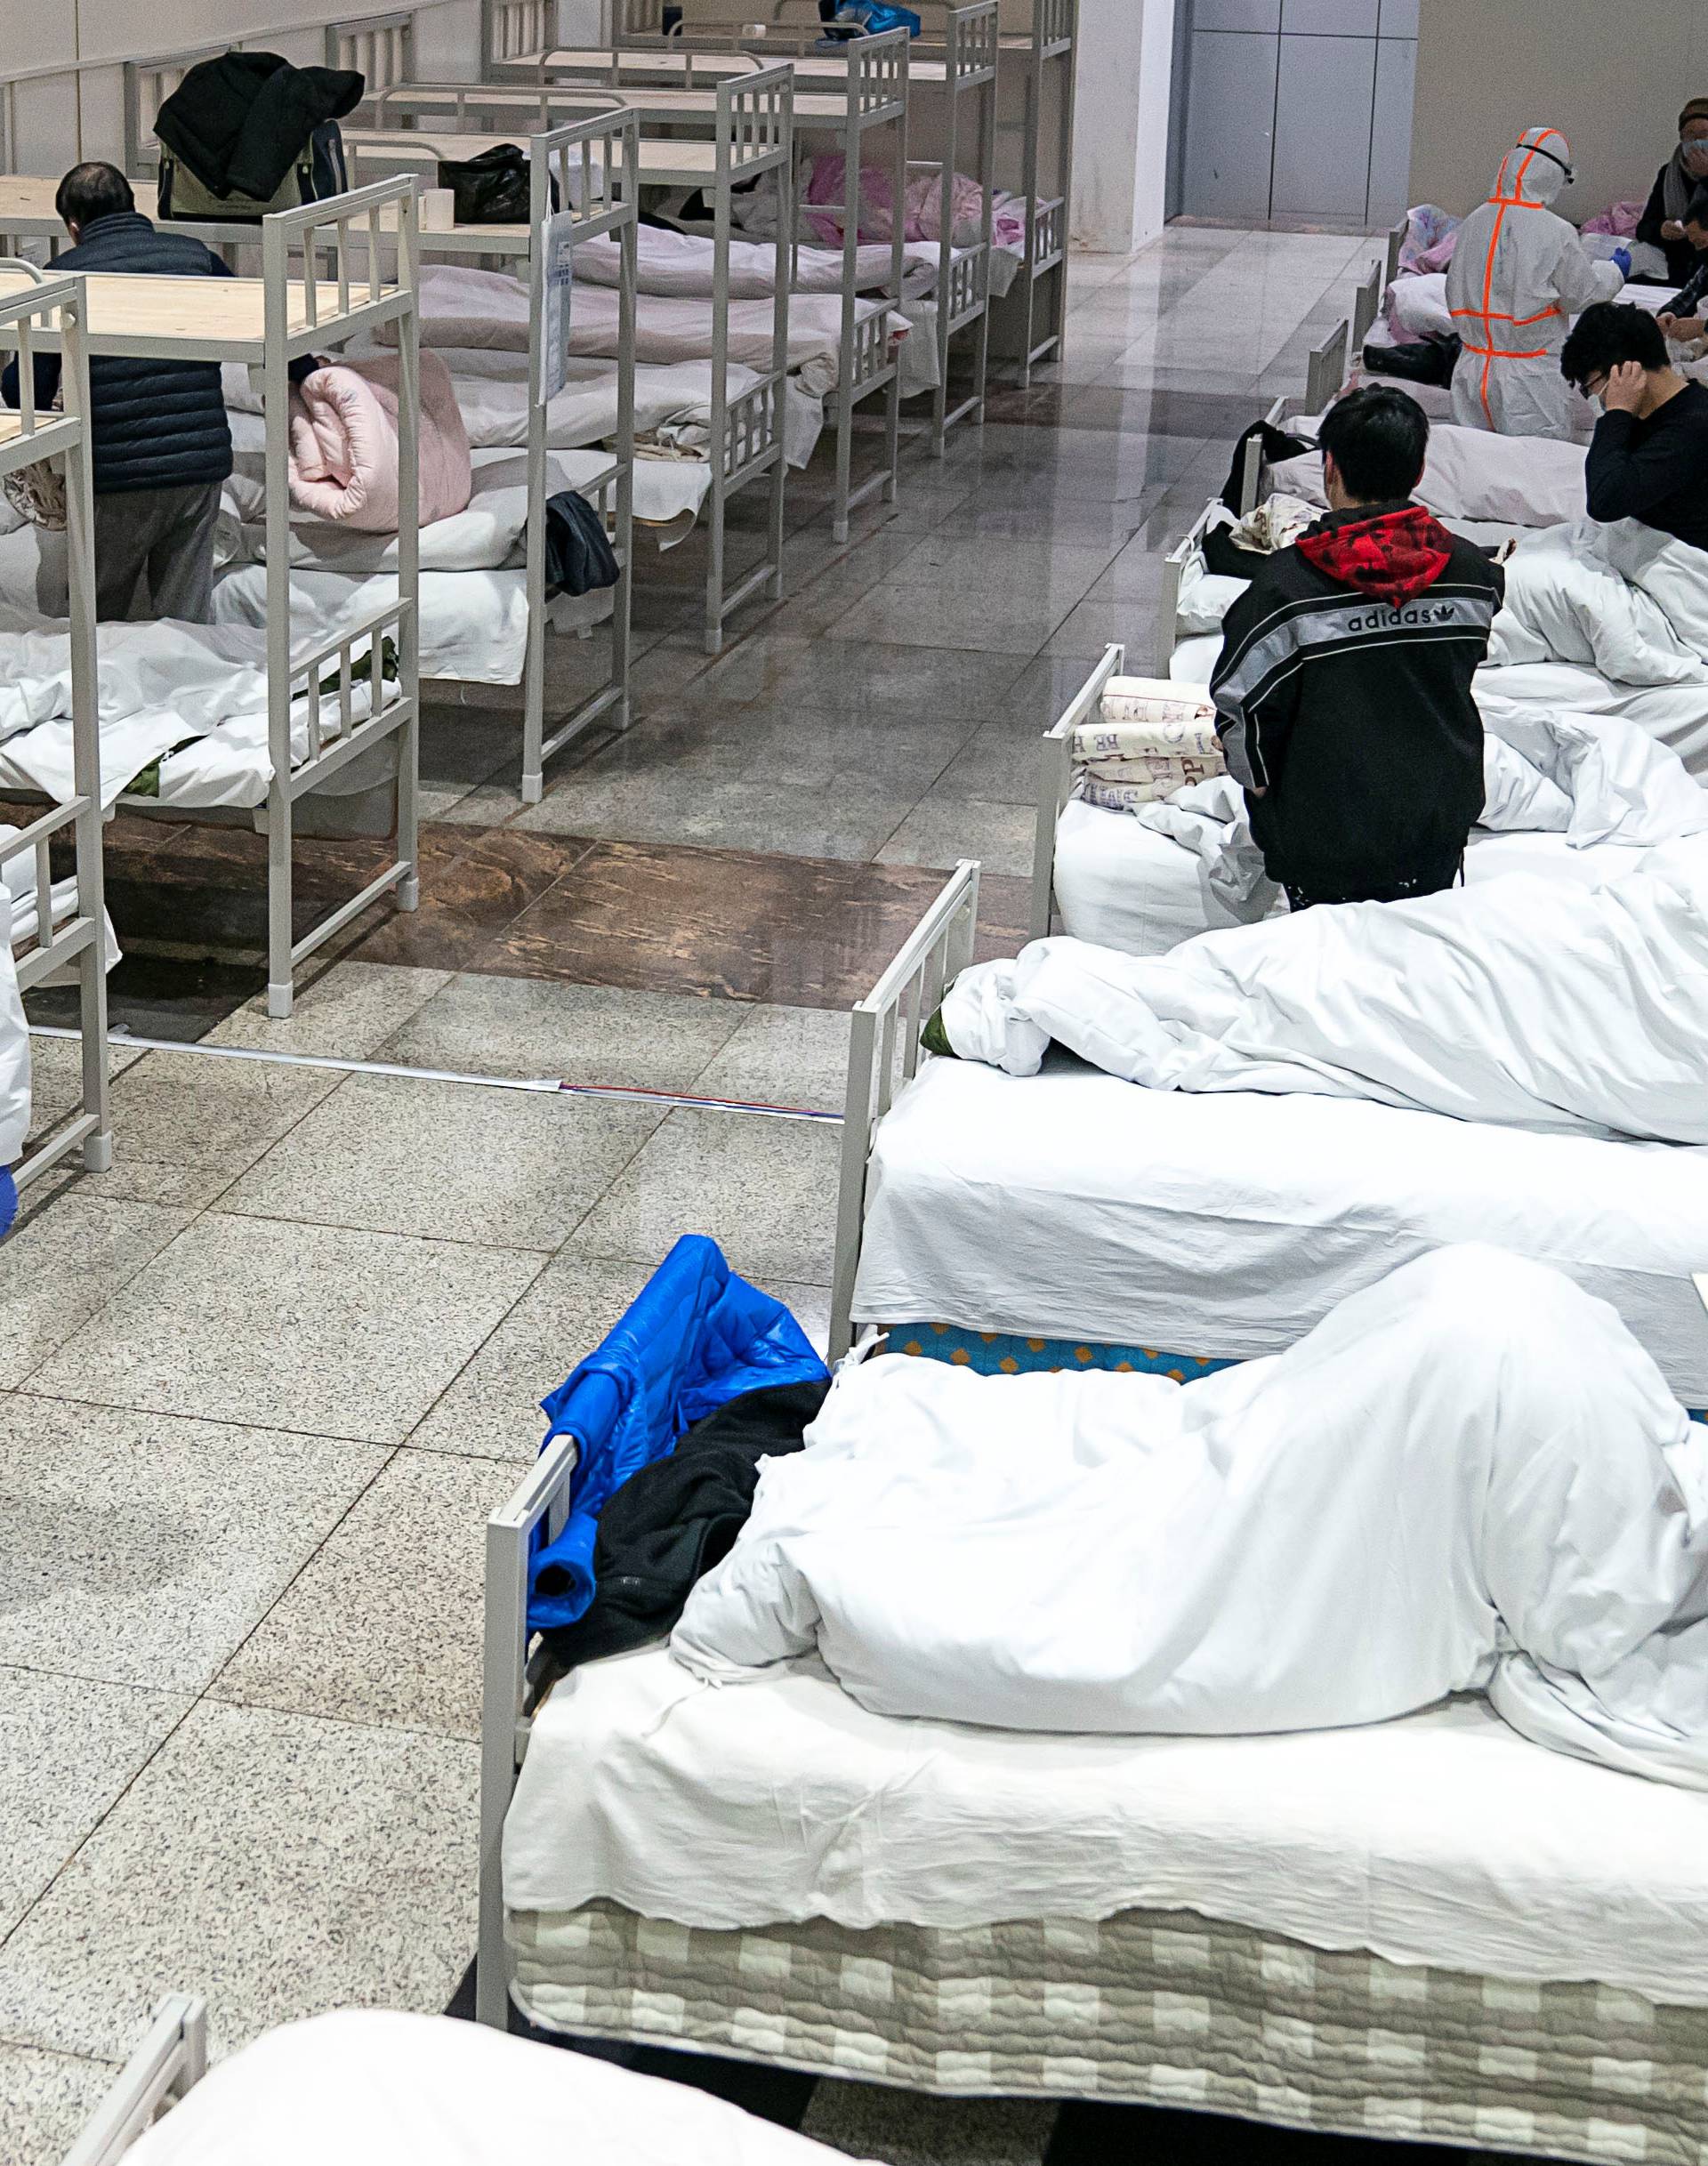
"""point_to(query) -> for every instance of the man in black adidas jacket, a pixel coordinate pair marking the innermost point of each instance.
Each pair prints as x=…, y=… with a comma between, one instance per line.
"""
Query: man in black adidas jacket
x=1344, y=690
x=161, y=445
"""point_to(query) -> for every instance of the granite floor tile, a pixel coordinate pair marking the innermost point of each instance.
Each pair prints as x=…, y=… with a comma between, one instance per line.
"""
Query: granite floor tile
x=985, y=569
x=1015, y=625
x=383, y=1625
x=1000, y=765
x=1050, y=687
x=390, y=1155
x=344, y=1013
x=320, y=1329
x=783, y=1056
x=529, y=1026
x=764, y=1189
x=56, y=1076
x=888, y=679
x=492, y=1409
x=669, y=806
x=185, y=1127
x=787, y=747
x=285, y=1864
x=1088, y=629
x=66, y=1755
x=45, y=2098
x=72, y=1253
x=177, y=1536
x=942, y=829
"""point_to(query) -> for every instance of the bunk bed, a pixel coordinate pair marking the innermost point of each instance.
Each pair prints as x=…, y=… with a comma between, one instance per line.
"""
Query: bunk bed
x=352, y=695
x=63, y=931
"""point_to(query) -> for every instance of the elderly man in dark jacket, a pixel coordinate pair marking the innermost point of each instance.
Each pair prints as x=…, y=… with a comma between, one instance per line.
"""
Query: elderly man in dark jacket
x=161, y=441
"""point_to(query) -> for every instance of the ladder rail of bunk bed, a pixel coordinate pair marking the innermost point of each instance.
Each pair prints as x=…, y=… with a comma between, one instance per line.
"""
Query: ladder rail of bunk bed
x=79, y=940
x=585, y=165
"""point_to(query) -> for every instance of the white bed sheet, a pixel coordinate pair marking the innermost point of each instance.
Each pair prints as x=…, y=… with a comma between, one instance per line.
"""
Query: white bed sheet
x=1443, y=1839
x=1675, y=715
x=1071, y=1204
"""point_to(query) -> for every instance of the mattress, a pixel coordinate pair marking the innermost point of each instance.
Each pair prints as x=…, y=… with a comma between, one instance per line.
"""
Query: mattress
x=1156, y=2007
x=1123, y=885
x=1442, y=1840
x=1074, y=1204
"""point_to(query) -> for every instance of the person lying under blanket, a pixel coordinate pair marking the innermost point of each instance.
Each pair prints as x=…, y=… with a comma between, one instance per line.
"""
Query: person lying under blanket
x=1468, y=1478
x=1343, y=690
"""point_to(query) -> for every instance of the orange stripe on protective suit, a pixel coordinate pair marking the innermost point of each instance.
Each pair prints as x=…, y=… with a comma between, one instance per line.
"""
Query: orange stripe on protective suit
x=1504, y=204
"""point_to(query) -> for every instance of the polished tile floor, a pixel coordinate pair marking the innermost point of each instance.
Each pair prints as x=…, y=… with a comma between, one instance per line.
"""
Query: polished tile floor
x=260, y=1385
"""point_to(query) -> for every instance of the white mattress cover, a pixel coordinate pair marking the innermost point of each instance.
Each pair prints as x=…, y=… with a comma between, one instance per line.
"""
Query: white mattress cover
x=1072, y=1204
x=1444, y=1839
x=372, y=2087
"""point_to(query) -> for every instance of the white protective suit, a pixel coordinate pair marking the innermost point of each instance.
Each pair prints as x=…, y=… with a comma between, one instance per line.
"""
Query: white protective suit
x=1518, y=276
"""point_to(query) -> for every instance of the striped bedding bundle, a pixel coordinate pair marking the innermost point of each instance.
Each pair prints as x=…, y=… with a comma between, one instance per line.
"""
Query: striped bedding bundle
x=1152, y=737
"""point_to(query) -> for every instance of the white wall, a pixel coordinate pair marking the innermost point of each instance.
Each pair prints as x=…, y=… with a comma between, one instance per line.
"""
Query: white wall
x=1126, y=52
x=1613, y=77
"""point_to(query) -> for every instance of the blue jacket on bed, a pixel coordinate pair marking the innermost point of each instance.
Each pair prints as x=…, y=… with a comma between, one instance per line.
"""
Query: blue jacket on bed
x=156, y=424
x=694, y=1338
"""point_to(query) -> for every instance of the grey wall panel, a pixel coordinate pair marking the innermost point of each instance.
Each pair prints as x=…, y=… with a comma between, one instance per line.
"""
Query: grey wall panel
x=1330, y=17
x=1399, y=19
x=1390, y=132
x=1324, y=89
x=1237, y=15
x=1230, y=126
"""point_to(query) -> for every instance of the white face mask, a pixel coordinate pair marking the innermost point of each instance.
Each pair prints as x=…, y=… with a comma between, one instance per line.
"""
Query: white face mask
x=1694, y=154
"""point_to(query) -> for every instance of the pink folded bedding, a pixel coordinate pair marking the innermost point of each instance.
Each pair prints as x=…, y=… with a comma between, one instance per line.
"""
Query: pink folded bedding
x=344, y=445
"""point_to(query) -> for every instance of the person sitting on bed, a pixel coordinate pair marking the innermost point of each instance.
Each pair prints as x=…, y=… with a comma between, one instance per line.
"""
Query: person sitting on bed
x=1648, y=460
x=161, y=443
x=1664, y=216
x=1344, y=690
x=1682, y=317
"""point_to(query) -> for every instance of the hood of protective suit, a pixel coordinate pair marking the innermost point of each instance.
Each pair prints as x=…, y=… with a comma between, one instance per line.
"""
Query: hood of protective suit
x=1535, y=169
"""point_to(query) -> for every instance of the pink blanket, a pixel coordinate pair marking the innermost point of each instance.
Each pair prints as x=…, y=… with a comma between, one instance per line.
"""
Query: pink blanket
x=922, y=210
x=344, y=445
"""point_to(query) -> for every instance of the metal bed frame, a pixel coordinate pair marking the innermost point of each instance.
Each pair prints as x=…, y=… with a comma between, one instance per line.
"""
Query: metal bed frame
x=885, y=1049
x=1395, y=241
x=169, y=2063
x=1056, y=783
x=301, y=316
x=1367, y=306
x=33, y=434
x=599, y=152
x=753, y=134
x=969, y=51
x=873, y=95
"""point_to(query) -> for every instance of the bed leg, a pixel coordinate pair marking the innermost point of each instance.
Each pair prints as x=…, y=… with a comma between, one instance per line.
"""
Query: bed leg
x=409, y=893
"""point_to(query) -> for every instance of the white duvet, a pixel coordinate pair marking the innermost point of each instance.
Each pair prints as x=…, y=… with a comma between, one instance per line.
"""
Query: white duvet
x=192, y=696
x=1468, y=1477
x=1521, y=1002
x=1624, y=599
x=1469, y=474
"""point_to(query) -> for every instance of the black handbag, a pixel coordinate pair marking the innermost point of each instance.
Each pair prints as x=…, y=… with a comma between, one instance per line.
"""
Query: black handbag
x=492, y=189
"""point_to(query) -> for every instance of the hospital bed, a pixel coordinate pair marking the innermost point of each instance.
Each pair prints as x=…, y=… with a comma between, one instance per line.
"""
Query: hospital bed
x=1356, y=1931
x=961, y=65
x=48, y=930
x=1037, y=108
x=353, y=696
x=871, y=95
x=746, y=412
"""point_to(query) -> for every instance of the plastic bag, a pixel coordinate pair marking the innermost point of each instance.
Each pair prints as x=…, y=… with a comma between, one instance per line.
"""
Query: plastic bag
x=492, y=189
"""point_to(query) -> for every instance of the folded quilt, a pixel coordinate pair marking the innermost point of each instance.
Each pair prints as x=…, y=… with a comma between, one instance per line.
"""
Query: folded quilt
x=344, y=447
x=1468, y=1478
x=1626, y=599
x=1151, y=738
x=1518, y=1001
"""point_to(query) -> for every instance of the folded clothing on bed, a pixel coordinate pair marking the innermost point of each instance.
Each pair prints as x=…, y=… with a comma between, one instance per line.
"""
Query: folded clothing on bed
x=1152, y=737
x=344, y=445
x=1468, y=1478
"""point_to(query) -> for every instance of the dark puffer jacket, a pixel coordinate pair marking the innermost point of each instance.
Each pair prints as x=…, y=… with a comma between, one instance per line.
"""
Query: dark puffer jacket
x=156, y=424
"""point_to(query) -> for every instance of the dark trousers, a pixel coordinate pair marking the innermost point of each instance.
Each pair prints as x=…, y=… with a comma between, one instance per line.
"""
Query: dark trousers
x=1396, y=891
x=154, y=556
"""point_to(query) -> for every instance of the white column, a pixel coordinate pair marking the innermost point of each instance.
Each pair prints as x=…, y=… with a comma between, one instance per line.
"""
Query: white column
x=1126, y=57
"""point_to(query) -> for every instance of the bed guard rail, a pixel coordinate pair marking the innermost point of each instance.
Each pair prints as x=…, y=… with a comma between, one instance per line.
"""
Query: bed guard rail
x=1396, y=242
x=883, y=1053
x=328, y=680
x=336, y=231
x=378, y=48
x=1056, y=783
x=512, y=30
x=1367, y=306
x=1055, y=26
x=970, y=44
x=510, y=1679
x=76, y=935
x=1326, y=371
x=172, y=2059
x=1168, y=601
